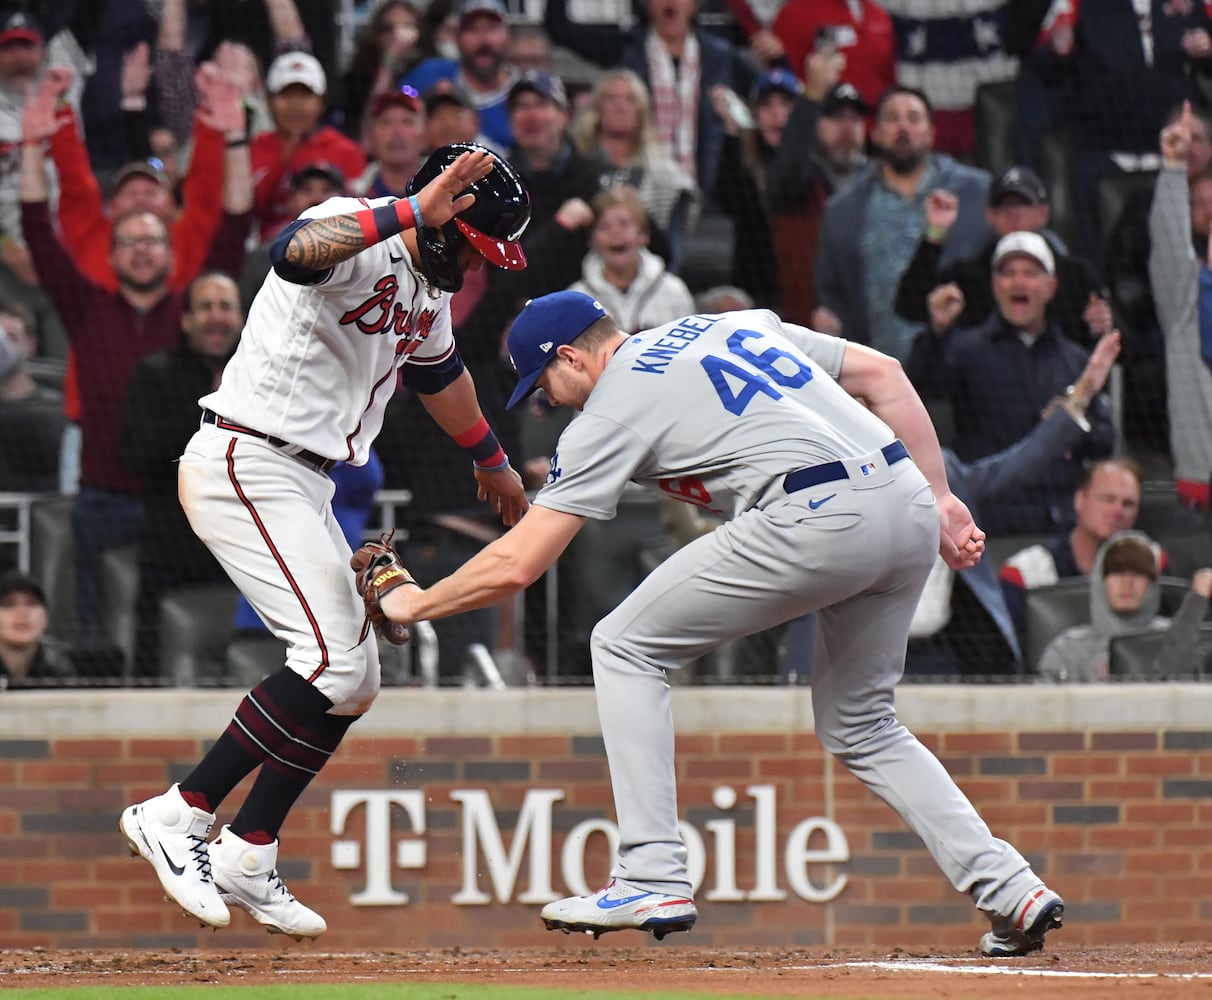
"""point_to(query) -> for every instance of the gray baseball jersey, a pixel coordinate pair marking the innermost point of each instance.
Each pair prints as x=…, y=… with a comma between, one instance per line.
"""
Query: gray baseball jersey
x=717, y=411
x=762, y=400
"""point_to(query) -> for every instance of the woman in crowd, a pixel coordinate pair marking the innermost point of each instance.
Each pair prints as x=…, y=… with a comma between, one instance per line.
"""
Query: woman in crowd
x=387, y=48
x=617, y=126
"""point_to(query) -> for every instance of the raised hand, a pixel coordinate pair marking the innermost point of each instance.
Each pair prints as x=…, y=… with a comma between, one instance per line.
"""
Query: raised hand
x=944, y=303
x=1176, y=138
x=1097, y=315
x=441, y=199
x=136, y=73
x=942, y=209
x=238, y=62
x=40, y=120
x=220, y=105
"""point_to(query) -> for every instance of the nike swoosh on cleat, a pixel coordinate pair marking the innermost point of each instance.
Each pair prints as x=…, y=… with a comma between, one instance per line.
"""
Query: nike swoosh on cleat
x=610, y=904
x=814, y=504
x=177, y=869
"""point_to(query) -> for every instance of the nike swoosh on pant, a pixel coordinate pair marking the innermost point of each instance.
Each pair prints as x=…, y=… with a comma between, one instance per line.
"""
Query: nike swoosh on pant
x=814, y=504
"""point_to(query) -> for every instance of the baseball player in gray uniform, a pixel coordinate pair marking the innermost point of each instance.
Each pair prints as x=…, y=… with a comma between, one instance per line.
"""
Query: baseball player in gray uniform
x=824, y=460
x=359, y=295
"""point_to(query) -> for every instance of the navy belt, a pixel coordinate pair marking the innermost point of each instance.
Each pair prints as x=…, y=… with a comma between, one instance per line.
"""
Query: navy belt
x=317, y=462
x=829, y=472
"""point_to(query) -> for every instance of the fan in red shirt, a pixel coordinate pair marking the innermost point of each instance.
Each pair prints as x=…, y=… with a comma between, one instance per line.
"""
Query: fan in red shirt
x=860, y=30
x=296, y=85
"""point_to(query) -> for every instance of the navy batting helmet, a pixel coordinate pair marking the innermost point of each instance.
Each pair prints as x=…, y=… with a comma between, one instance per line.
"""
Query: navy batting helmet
x=492, y=225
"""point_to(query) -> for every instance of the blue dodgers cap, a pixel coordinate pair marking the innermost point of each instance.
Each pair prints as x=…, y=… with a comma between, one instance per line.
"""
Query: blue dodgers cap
x=777, y=79
x=543, y=325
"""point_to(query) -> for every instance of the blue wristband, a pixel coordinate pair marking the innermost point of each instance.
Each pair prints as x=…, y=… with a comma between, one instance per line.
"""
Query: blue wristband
x=498, y=467
x=416, y=210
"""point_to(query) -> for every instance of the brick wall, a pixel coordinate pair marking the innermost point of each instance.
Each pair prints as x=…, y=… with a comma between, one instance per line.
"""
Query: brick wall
x=1113, y=813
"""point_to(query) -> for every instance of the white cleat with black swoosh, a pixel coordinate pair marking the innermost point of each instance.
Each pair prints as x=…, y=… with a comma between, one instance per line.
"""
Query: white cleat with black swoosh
x=170, y=834
x=619, y=907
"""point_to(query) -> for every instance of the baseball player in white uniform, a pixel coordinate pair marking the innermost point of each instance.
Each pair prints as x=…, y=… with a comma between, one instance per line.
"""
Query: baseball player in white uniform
x=825, y=462
x=359, y=294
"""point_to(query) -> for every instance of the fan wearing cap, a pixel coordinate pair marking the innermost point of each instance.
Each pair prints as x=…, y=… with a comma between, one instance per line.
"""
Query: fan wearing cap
x=28, y=656
x=999, y=377
x=870, y=229
x=297, y=86
x=24, y=58
x=1018, y=202
x=823, y=145
x=482, y=71
x=750, y=146
x=310, y=185
x=450, y=117
x=395, y=139
x=562, y=181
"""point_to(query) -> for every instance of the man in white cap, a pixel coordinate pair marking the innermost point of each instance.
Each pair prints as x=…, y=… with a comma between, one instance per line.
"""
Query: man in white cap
x=999, y=376
x=296, y=85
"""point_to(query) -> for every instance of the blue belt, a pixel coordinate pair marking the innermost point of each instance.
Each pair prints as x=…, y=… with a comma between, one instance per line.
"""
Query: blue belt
x=829, y=472
x=317, y=462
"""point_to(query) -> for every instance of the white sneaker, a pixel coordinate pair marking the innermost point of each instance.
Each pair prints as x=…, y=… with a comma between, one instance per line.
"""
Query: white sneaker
x=171, y=834
x=247, y=876
x=1021, y=933
x=620, y=907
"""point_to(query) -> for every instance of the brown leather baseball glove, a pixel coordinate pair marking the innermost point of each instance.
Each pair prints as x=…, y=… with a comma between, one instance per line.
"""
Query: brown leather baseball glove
x=378, y=571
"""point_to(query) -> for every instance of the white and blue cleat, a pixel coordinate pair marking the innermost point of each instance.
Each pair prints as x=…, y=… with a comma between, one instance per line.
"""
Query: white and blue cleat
x=1023, y=931
x=620, y=907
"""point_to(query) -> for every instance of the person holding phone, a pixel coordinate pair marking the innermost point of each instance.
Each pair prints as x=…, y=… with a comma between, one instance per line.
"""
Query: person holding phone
x=860, y=31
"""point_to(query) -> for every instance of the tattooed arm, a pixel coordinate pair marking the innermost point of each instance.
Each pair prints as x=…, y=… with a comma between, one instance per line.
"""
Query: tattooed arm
x=312, y=246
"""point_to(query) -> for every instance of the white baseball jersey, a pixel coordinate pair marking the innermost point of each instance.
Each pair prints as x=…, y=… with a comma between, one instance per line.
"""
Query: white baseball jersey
x=317, y=363
x=764, y=399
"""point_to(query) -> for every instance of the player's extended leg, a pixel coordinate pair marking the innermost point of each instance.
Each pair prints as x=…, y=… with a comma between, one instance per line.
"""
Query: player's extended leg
x=750, y=574
x=266, y=517
x=859, y=659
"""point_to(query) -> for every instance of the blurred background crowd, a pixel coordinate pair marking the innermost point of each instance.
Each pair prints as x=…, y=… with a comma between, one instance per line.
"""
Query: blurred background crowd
x=1013, y=197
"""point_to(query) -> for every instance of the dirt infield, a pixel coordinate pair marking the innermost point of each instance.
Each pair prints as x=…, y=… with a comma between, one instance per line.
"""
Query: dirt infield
x=1153, y=971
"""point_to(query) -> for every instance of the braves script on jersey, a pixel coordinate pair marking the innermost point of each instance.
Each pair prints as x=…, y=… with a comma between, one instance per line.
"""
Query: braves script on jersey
x=768, y=403
x=317, y=363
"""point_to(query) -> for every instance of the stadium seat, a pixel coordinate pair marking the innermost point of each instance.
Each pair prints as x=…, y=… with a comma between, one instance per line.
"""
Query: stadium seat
x=119, y=589
x=50, y=561
x=1051, y=610
x=1054, y=172
x=195, y=629
x=1114, y=190
x=1187, y=551
x=250, y=659
x=1132, y=656
x=994, y=122
x=999, y=548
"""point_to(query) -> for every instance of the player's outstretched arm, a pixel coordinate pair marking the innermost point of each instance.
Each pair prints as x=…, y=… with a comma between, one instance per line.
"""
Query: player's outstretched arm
x=500, y=569
x=318, y=244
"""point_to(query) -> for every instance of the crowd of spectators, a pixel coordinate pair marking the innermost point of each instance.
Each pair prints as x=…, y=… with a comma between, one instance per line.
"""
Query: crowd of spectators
x=822, y=158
